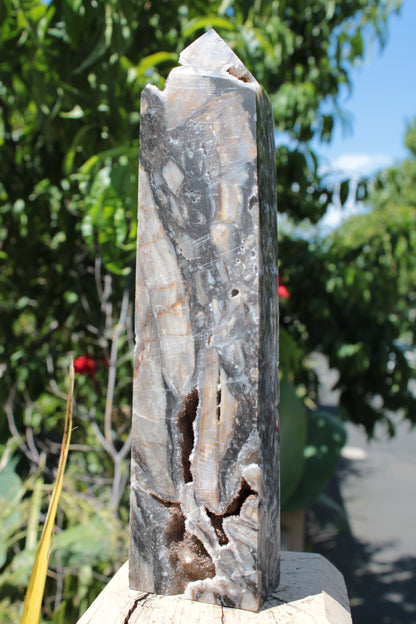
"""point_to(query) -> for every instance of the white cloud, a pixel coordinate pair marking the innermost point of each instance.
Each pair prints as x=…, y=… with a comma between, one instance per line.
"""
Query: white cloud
x=351, y=166
x=332, y=218
x=358, y=164
x=335, y=215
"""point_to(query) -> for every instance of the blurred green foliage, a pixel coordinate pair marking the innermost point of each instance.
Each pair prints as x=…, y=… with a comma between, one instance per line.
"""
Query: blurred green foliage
x=71, y=73
x=361, y=312
x=84, y=552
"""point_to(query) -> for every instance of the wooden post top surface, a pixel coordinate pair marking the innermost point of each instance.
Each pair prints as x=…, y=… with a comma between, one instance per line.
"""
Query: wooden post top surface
x=311, y=591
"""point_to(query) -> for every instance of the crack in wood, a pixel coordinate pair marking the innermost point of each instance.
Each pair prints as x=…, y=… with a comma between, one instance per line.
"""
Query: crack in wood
x=134, y=607
x=290, y=606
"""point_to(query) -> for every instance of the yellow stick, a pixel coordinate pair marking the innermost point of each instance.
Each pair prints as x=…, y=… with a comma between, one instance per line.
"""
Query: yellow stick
x=36, y=587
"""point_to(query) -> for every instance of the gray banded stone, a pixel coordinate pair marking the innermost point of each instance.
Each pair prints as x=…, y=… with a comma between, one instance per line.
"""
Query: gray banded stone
x=205, y=454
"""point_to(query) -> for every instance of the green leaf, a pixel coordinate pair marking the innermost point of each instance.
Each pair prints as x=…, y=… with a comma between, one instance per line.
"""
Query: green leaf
x=293, y=425
x=75, y=113
x=357, y=45
x=103, y=43
x=117, y=269
x=58, y=616
x=330, y=9
x=69, y=158
x=326, y=437
x=212, y=21
x=344, y=191
x=83, y=544
x=10, y=517
x=10, y=484
x=106, y=155
x=153, y=60
x=290, y=355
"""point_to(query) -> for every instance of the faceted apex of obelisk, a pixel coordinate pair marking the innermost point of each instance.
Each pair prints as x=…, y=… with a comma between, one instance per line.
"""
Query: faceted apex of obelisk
x=209, y=55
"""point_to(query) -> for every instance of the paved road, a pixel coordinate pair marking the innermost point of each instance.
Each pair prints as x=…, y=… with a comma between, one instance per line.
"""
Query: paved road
x=376, y=484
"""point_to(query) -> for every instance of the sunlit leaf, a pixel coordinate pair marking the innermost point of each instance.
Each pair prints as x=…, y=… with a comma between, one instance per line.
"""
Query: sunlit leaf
x=155, y=59
x=210, y=20
x=34, y=594
x=75, y=113
x=105, y=155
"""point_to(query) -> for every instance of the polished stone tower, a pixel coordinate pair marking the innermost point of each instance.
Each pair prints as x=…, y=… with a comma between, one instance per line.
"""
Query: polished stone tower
x=205, y=453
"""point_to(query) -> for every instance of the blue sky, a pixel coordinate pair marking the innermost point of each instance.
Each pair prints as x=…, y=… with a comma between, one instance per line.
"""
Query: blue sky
x=382, y=102
x=383, y=99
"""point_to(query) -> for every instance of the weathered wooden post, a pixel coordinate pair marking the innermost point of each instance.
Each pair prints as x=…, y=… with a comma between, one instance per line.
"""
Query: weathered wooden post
x=205, y=454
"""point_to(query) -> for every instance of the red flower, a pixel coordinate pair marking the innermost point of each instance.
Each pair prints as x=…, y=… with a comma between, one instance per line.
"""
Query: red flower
x=85, y=365
x=283, y=291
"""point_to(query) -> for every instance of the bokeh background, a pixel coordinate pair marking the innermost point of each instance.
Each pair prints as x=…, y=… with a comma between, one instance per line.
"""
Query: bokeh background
x=71, y=73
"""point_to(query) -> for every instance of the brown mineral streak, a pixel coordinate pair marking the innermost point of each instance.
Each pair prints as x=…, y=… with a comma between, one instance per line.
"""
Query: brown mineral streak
x=152, y=242
x=166, y=309
x=167, y=286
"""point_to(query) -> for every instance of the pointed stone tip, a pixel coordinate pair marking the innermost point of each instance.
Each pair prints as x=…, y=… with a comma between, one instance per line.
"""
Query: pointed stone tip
x=209, y=54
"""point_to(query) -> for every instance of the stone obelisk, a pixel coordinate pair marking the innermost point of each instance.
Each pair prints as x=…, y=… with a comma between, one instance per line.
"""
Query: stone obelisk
x=205, y=454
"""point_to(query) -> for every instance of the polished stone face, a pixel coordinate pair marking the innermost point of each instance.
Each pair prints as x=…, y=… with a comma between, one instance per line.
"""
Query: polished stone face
x=205, y=469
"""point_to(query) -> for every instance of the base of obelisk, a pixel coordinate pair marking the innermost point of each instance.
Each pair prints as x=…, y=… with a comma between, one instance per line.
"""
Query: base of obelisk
x=311, y=591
